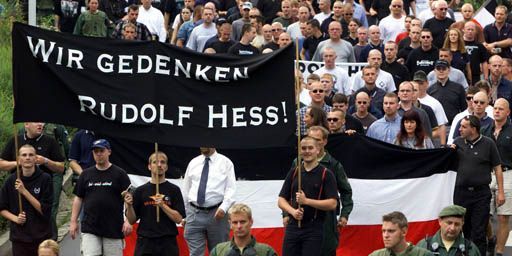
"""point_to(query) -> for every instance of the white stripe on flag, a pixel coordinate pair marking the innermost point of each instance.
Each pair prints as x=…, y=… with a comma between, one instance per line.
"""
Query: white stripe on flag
x=419, y=199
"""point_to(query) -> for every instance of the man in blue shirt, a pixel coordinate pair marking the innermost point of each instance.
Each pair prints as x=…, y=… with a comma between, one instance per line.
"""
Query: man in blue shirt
x=386, y=128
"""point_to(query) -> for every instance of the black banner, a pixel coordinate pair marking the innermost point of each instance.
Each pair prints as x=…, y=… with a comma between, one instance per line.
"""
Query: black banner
x=361, y=156
x=153, y=92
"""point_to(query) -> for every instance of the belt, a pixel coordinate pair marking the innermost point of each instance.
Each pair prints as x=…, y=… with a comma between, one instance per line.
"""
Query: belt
x=205, y=208
x=473, y=188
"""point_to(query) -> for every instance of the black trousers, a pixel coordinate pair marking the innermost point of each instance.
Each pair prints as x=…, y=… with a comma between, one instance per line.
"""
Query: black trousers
x=25, y=249
x=477, y=201
x=161, y=246
x=304, y=241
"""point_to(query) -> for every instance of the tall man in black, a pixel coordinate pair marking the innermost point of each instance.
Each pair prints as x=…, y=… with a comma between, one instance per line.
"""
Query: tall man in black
x=478, y=157
x=156, y=238
x=423, y=57
x=99, y=189
x=31, y=226
x=49, y=157
x=308, y=205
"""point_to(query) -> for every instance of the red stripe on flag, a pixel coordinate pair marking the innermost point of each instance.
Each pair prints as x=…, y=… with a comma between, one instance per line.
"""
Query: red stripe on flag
x=356, y=240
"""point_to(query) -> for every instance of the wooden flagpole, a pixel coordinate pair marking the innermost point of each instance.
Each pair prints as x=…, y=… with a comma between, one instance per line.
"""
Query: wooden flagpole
x=297, y=101
x=17, y=154
x=157, y=182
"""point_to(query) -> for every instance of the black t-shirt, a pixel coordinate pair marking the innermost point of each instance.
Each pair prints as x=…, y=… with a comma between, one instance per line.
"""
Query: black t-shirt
x=397, y=70
x=452, y=97
x=37, y=228
x=438, y=29
x=477, y=55
x=311, y=183
x=311, y=43
x=102, y=201
x=45, y=146
x=243, y=50
x=221, y=47
x=146, y=213
x=68, y=12
x=419, y=59
x=476, y=161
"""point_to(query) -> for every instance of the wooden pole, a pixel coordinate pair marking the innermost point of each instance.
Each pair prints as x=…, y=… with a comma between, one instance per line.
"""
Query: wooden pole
x=297, y=101
x=157, y=182
x=17, y=154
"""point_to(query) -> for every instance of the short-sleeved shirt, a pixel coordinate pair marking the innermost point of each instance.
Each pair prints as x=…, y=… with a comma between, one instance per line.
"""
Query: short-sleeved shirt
x=503, y=143
x=102, y=201
x=438, y=29
x=45, y=146
x=492, y=35
x=145, y=209
x=243, y=50
x=311, y=183
x=476, y=161
x=80, y=149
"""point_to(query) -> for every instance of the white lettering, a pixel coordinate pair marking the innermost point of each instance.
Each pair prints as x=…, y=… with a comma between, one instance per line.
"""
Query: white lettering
x=201, y=73
x=75, y=56
x=237, y=73
x=162, y=116
x=222, y=116
x=83, y=105
x=113, y=111
x=45, y=53
x=272, y=117
x=125, y=118
x=256, y=117
x=161, y=65
x=140, y=63
x=143, y=113
x=108, y=67
x=179, y=66
x=220, y=76
x=184, y=112
x=238, y=115
x=123, y=63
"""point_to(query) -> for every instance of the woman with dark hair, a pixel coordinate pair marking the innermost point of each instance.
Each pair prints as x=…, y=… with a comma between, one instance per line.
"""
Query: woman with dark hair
x=185, y=15
x=315, y=116
x=411, y=133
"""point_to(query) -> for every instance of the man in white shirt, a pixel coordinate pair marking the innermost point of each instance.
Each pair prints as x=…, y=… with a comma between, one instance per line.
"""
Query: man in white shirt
x=394, y=23
x=325, y=10
x=384, y=79
x=153, y=19
x=341, y=78
x=294, y=28
x=208, y=190
x=203, y=32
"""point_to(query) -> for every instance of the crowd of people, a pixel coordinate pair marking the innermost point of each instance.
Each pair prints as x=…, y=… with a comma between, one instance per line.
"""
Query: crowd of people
x=430, y=82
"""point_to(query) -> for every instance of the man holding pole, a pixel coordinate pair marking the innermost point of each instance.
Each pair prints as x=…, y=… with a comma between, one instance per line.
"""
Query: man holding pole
x=156, y=237
x=306, y=196
x=33, y=191
x=100, y=189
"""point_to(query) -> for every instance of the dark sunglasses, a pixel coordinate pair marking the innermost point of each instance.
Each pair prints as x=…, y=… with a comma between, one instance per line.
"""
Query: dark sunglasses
x=469, y=98
x=333, y=119
x=362, y=102
x=318, y=91
x=479, y=102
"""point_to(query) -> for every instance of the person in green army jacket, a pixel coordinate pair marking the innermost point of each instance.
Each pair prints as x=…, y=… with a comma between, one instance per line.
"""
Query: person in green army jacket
x=394, y=229
x=242, y=243
x=331, y=225
x=448, y=240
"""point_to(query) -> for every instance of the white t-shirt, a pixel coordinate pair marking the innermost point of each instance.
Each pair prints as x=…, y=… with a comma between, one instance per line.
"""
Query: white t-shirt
x=342, y=84
x=436, y=107
x=459, y=116
x=321, y=17
x=384, y=81
x=154, y=21
x=391, y=27
x=200, y=35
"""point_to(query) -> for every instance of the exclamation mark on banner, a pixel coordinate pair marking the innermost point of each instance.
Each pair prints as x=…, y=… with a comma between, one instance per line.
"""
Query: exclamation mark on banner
x=284, y=111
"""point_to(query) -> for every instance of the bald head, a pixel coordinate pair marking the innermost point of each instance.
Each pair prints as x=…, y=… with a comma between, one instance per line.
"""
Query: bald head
x=501, y=110
x=375, y=58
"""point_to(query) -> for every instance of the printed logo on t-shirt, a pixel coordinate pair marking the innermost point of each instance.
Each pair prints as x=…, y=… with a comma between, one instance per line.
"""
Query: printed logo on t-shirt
x=470, y=48
x=424, y=63
x=100, y=184
x=37, y=190
x=69, y=8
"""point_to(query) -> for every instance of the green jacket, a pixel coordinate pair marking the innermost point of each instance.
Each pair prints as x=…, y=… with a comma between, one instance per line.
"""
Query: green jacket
x=92, y=24
x=410, y=251
x=436, y=241
x=230, y=248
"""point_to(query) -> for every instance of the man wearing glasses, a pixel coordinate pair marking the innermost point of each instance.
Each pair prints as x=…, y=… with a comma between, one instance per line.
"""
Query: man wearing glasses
x=439, y=24
x=423, y=57
x=450, y=94
x=480, y=102
x=394, y=23
x=317, y=94
x=363, y=103
x=478, y=157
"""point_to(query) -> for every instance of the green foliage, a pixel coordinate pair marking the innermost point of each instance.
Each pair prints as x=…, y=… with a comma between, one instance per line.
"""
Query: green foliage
x=10, y=14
